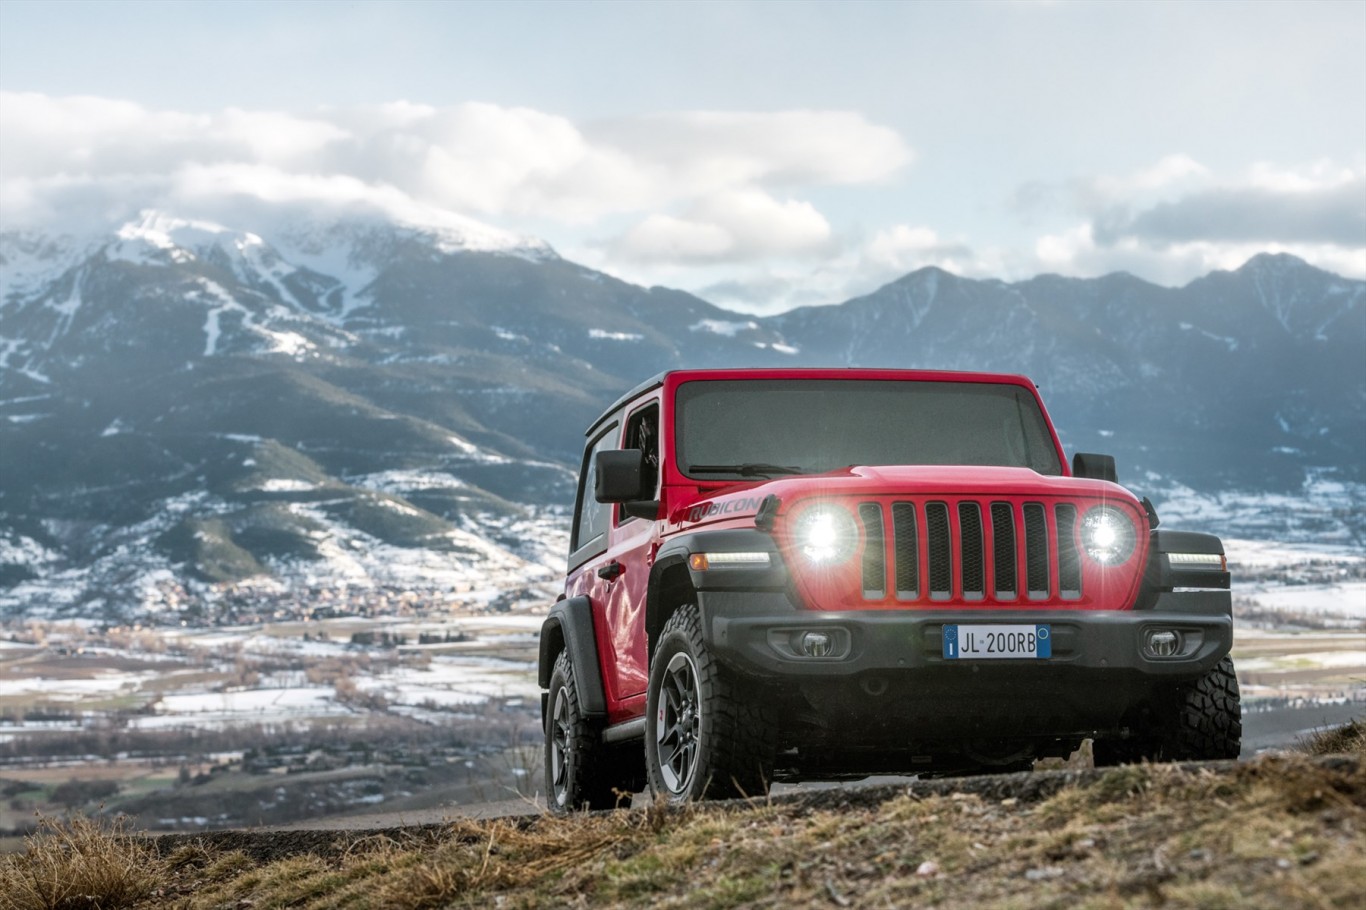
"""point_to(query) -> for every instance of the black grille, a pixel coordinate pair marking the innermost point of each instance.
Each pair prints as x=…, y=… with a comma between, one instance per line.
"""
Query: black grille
x=1003, y=549
x=874, y=552
x=907, y=544
x=941, y=550
x=1069, y=559
x=972, y=568
x=987, y=539
x=1036, y=551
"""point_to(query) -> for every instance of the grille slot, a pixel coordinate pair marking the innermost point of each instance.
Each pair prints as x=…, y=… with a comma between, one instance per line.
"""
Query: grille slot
x=941, y=550
x=874, y=552
x=1036, y=551
x=1003, y=549
x=907, y=543
x=1069, y=558
x=972, y=568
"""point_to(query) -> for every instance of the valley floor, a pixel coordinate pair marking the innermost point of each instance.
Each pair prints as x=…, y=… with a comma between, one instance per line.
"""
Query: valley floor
x=435, y=713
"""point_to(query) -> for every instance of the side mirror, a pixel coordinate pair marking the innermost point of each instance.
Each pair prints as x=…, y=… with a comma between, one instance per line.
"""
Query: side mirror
x=1096, y=467
x=622, y=476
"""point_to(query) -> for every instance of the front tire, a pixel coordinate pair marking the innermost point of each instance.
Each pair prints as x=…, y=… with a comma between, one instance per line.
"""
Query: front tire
x=577, y=765
x=704, y=737
x=1209, y=723
x=1200, y=721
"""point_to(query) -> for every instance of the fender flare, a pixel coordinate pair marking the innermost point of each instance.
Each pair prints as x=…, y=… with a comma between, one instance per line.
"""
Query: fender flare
x=569, y=627
x=672, y=562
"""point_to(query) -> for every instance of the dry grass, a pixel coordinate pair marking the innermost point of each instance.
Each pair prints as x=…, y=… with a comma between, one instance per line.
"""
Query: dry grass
x=1278, y=832
x=1348, y=739
x=78, y=864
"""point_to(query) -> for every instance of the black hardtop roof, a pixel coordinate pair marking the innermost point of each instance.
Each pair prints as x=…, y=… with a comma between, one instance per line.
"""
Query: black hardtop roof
x=653, y=382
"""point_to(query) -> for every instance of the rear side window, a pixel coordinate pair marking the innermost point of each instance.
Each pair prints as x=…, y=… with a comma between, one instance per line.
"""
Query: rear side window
x=591, y=517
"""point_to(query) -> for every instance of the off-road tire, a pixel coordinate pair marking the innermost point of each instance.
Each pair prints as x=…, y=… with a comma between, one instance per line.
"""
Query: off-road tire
x=1209, y=723
x=1200, y=721
x=733, y=734
x=580, y=772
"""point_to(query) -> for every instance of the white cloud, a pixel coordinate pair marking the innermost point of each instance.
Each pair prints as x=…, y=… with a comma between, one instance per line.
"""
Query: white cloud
x=663, y=238
x=711, y=150
x=1172, y=169
x=1075, y=252
x=1177, y=219
x=1312, y=177
x=903, y=248
x=731, y=226
x=679, y=174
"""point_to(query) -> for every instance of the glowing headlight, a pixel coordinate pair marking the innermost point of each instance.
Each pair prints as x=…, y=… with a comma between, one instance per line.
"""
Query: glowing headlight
x=826, y=535
x=1108, y=535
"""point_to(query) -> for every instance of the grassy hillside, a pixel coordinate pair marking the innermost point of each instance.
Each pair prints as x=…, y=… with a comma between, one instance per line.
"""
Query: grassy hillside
x=1278, y=832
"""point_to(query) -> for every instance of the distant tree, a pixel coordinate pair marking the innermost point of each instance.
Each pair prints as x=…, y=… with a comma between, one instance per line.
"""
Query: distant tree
x=75, y=793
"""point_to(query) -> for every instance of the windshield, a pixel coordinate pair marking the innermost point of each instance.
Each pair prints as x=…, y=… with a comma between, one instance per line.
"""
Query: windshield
x=733, y=429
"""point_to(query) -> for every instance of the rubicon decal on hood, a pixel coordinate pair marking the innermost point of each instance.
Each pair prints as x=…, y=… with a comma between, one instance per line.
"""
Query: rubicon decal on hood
x=724, y=507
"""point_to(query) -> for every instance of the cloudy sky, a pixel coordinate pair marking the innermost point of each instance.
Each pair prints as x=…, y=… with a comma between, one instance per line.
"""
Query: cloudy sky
x=763, y=155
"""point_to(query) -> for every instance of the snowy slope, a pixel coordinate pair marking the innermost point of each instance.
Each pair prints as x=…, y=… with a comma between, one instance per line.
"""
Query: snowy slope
x=204, y=419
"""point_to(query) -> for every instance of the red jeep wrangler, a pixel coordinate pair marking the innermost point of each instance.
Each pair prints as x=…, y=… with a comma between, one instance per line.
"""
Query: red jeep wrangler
x=816, y=574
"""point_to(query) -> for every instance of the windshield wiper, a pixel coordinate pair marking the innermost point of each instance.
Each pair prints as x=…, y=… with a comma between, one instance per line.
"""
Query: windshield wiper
x=748, y=469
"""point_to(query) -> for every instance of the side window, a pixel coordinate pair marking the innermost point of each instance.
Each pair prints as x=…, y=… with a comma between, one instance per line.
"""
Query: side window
x=591, y=517
x=642, y=432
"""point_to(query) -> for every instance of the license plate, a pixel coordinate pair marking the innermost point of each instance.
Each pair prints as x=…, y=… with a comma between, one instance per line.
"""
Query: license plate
x=990, y=642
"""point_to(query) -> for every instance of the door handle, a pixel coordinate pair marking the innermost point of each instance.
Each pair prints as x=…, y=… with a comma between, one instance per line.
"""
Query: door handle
x=611, y=571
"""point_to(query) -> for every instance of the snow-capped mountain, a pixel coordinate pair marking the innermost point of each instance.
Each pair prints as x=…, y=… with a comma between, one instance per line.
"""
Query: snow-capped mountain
x=196, y=416
x=1239, y=379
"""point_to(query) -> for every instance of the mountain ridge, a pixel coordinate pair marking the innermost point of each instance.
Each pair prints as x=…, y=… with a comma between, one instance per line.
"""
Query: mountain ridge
x=209, y=405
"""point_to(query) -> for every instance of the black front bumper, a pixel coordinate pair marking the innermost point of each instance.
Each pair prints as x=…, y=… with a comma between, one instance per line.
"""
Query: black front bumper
x=754, y=632
x=888, y=685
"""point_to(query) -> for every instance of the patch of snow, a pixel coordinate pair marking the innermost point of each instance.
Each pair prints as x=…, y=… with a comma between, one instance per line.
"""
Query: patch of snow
x=17, y=549
x=291, y=343
x=406, y=481
x=780, y=348
x=603, y=334
x=723, y=327
x=1344, y=600
x=287, y=485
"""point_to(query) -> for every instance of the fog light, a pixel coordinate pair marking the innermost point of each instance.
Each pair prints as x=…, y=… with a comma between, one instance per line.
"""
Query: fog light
x=1161, y=643
x=817, y=644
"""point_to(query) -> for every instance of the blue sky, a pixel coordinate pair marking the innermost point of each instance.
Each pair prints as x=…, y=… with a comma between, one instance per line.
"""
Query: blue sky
x=763, y=155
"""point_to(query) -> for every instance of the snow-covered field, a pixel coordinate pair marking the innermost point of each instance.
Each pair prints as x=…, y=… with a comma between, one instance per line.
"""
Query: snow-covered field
x=1277, y=584
x=1301, y=612
x=273, y=675
x=1324, y=513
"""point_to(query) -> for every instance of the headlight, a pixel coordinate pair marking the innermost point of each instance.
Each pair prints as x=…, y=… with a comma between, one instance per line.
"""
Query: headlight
x=826, y=535
x=1108, y=535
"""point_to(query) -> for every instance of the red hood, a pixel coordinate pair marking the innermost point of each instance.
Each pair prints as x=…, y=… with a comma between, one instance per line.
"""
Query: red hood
x=949, y=479
x=742, y=500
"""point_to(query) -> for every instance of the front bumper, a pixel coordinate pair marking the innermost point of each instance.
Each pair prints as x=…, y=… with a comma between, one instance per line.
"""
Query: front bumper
x=887, y=690
x=753, y=631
